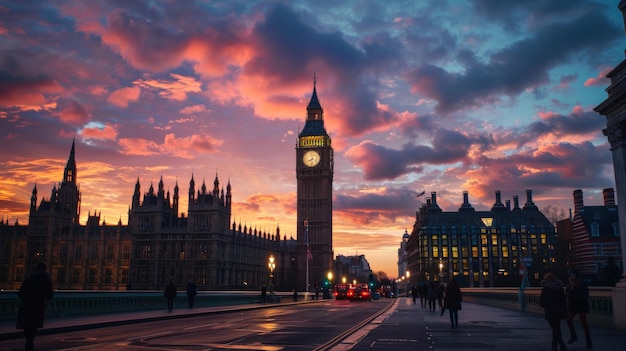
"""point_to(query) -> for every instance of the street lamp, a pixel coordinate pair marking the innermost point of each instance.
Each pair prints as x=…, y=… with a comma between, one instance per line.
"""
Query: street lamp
x=330, y=284
x=271, y=266
x=343, y=280
x=408, y=283
x=440, y=271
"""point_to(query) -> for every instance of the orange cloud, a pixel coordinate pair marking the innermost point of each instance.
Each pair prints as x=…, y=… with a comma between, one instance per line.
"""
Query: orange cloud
x=122, y=97
x=73, y=112
x=186, y=147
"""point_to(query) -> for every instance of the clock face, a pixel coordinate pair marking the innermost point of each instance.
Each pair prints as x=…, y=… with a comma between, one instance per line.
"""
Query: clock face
x=311, y=158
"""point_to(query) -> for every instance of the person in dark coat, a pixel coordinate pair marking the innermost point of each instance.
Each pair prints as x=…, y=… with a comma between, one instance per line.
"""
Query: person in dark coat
x=452, y=302
x=414, y=294
x=552, y=299
x=35, y=291
x=170, y=294
x=423, y=291
x=192, y=291
x=441, y=288
x=577, y=294
x=263, y=293
x=432, y=296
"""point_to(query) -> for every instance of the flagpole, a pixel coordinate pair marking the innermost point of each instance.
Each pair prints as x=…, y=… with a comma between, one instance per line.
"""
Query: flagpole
x=306, y=231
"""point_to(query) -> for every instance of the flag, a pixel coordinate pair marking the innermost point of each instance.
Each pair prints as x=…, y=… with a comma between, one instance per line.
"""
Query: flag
x=422, y=193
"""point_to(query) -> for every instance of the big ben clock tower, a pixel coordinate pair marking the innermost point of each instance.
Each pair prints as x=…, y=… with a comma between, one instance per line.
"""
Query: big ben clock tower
x=314, y=173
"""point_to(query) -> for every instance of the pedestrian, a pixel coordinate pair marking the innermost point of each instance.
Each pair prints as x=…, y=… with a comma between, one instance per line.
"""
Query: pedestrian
x=423, y=291
x=414, y=293
x=432, y=296
x=552, y=299
x=170, y=294
x=35, y=291
x=452, y=302
x=577, y=294
x=192, y=291
x=263, y=293
x=440, y=291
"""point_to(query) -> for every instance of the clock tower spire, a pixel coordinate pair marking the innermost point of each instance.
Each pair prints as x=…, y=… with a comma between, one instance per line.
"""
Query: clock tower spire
x=314, y=174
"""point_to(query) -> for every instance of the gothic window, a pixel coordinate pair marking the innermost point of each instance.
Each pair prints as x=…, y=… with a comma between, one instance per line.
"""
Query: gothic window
x=598, y=249
x=616, y=229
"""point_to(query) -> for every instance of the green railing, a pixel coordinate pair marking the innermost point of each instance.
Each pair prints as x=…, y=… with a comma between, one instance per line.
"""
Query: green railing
x=72, y=303
x=600, y=301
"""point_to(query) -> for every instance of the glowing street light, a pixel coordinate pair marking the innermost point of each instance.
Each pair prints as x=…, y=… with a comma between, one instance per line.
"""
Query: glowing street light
x=271, y=266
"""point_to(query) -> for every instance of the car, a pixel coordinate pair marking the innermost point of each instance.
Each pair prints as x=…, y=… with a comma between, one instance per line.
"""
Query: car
x=376, y=295
x=342, y=291
x=360, y=292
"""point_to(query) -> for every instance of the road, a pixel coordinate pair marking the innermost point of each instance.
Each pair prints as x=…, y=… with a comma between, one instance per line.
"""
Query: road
x=291, y=327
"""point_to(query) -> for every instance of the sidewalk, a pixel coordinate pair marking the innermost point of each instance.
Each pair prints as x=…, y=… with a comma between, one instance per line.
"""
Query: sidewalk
x=409, y=327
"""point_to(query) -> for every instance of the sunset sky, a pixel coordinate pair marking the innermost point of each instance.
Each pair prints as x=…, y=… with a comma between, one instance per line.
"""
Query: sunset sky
x=442, y=95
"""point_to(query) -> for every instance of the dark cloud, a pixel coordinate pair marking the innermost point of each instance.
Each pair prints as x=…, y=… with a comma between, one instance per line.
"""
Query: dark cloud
x=522, y=65
x=379, y=162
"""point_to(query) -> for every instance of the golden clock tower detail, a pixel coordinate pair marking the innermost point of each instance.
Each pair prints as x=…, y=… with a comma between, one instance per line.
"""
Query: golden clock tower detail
x=314, y=173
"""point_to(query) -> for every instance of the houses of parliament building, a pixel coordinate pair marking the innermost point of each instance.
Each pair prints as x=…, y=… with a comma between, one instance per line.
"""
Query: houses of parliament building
x=158, y=245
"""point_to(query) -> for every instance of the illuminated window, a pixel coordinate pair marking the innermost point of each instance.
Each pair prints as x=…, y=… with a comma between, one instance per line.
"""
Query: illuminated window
x=474, y=251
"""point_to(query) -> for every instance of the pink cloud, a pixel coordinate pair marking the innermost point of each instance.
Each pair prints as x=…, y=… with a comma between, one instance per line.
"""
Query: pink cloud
x=600, y=80
x=122, y=97
x=187, y=147
x=177, y=89
x=108, y=132
x=73, y=112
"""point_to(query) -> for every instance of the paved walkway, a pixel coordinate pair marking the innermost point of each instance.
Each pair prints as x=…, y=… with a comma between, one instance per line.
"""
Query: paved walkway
x=410, y=327
x=404, y=327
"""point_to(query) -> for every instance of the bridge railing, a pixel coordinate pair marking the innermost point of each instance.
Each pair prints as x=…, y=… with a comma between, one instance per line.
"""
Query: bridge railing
x=600, y=301
x=72, y=303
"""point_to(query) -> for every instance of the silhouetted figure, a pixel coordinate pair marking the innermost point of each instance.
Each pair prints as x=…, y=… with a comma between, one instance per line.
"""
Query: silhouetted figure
x=295, y=295
x=440, y=290
x=432, y=296
x=170, y=294
x=452, y=302
x=577, y=294
x=192, y=291
x=35, y=291
x=414, y=294
x=423, y=291
x=552, y=300
x=263, y=294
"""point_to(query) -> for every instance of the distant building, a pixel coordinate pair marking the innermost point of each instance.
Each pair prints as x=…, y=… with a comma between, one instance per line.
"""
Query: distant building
x=592, y=237
x=352, y=268
x=481, y=248
x=403, y=255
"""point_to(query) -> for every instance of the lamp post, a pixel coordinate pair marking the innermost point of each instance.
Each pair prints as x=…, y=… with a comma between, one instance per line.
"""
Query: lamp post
x=271, y=266
x=523, y=272
x=440, y=271
x=330, y=285
x=408, y=283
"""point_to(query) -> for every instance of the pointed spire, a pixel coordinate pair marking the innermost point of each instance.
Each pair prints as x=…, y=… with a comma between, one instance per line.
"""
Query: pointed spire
x=314, y=104
x=69, y=174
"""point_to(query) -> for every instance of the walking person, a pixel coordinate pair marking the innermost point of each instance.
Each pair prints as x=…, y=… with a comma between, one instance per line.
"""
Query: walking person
x=553, y=301
x=423, y=291
x=440, y=292
x=414, y=294
x=170, y=294
x=432, y=296
x=577, y=294
x=35, y=291
x=263, y=293
x=192, y=291
x=452, y=302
